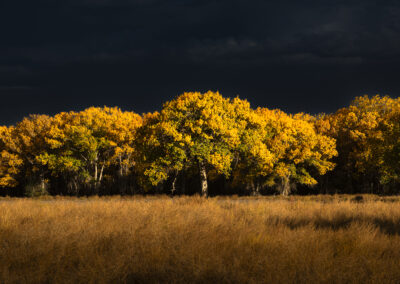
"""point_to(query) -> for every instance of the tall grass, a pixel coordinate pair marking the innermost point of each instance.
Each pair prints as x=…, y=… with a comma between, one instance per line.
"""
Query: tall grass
x=191, y=239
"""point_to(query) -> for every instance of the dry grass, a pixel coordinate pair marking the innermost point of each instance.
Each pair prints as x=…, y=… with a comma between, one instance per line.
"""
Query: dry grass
x=190, y=239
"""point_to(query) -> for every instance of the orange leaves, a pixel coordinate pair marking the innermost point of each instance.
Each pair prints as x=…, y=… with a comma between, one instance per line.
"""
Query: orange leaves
x=9, y=167
x=192, y=128
x=223, y=135
x=94, y=138
x=295, y=145
x=190, y=121
x=363, y=132
x=81, y=142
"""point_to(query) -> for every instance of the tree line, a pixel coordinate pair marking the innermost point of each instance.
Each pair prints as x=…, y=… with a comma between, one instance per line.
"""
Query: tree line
x=208, y=144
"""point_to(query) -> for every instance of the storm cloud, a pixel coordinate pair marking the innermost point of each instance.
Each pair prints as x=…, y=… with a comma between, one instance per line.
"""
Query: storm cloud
x=311, y=56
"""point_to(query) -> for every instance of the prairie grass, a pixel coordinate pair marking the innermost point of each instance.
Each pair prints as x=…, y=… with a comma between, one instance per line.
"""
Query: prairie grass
x=317, y=239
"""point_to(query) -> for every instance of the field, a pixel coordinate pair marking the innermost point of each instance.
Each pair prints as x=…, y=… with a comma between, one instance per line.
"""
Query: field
x=319, y=239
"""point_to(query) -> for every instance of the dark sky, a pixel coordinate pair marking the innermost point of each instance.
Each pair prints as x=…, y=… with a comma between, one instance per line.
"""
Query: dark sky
x=311, y=56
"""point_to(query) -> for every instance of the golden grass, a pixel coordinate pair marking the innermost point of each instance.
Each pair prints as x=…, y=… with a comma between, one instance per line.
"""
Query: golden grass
x=319, y=239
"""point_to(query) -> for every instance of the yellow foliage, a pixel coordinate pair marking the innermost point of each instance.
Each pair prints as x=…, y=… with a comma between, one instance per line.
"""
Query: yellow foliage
x=282, y=146
x=192, y=128
x=363, y=132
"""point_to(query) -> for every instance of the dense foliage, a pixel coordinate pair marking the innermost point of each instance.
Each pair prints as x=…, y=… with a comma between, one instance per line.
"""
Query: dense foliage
x=204, y=143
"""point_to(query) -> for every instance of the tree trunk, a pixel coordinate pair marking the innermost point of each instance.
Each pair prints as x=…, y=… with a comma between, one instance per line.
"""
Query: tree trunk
x=203, y=179
x=285, y=186
x=75, y=185
x=173, y=186
x=255, y=189
x=42, y=183
x=95, y=172
x=101, y=174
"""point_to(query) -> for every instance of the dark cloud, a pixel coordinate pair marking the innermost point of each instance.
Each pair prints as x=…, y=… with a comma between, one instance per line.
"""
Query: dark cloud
x=297, y=55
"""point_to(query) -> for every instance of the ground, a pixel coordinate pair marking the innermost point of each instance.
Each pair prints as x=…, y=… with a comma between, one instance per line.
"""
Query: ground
x=314, y=239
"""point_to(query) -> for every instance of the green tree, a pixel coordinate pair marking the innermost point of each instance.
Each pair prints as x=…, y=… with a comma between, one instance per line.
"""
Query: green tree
x=193, y=130
x=282, y=150
x=364, y=138
x=20, y=144
x=85, y=144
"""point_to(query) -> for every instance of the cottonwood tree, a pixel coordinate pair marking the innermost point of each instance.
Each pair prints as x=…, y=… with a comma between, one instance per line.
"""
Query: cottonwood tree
x=389, y=149
x=299, y=149
x=210, y=136
x=84, y=144
x=10, y=160
x=193, y=130
x=282, y=149
x=254, y=162
x=364, y=133
x=20, y=145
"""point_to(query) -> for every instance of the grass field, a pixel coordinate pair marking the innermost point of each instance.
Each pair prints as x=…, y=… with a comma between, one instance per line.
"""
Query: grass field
x=319, y=239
